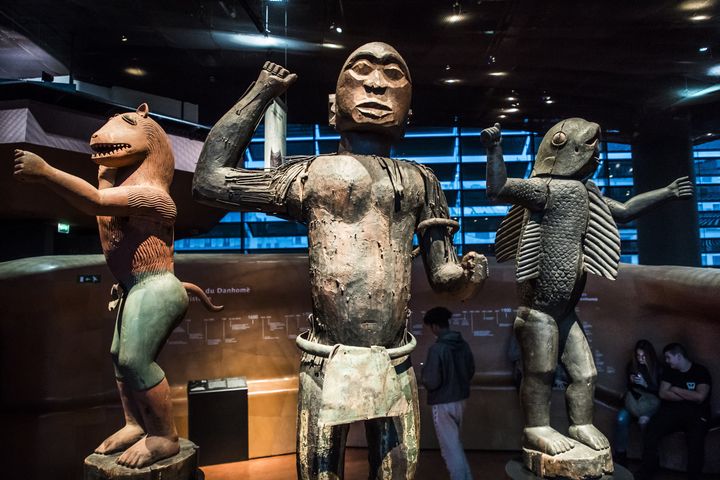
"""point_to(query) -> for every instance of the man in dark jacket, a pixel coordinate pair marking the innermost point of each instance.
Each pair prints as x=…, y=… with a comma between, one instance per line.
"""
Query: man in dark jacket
x=446, y=375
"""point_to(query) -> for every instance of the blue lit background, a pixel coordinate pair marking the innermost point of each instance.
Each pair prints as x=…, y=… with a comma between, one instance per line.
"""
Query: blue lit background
x=458, y=159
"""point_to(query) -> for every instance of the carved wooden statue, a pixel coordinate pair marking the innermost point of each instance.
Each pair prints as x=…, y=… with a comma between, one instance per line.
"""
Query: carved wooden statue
x=135, y=216
x=362, y=210
x=559, y=229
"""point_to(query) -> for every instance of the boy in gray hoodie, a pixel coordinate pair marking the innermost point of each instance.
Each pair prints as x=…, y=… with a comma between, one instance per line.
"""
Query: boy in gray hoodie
x=446, y=375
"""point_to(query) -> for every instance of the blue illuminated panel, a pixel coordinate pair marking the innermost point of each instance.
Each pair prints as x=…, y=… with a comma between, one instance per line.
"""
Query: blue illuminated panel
x=456, y=156
x=707, y=178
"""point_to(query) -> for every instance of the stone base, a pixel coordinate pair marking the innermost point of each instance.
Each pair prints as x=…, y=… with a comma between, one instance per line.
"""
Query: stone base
x=183, y=466
x=579, y=463
x=515, y=470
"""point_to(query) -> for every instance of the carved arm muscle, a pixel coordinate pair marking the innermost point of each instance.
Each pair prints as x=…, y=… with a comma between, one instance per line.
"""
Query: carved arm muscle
x=216, y=182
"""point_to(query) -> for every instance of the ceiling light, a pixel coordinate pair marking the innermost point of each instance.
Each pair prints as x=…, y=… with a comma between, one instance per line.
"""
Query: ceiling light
x=338, y=29
x=135, y=71
x=549, y=101
x=699, y=93
x=123, y=38
x=714, y=71
x=700, y=18
x=511, y=99
x=447, y=67
x=703, y=49
x=257, y=40
x=497, y=74
x=455, y=18
x=502, y=115
x=451, y=80
x=511, y=110
x=336, y=46
x=693, y=5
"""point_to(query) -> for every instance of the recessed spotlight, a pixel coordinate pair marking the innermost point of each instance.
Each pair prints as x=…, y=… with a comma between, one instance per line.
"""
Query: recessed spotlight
x=497, y=74
x=338, y=29
x=123, y=38
x=549, y=101
x=451, y=80
x=511, y=99
x=700, y=18
x=135, y=71
x=447, y=67
x=511, y=110
x=502, y=115
x=703, y=49
x=454, y=18
x=694, y=5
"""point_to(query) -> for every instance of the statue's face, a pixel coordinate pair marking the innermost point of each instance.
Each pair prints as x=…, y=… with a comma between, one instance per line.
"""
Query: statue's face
x=570, y=149
x=373, y=91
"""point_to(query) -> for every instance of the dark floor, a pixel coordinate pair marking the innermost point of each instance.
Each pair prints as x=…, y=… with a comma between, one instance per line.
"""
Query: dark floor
x=485, y=466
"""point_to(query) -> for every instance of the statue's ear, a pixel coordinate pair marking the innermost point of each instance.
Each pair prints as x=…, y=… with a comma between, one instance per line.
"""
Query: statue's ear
x=331, y=110
x=143, y=110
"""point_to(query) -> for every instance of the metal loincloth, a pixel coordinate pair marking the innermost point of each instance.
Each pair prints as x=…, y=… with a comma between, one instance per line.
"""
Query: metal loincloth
x=360, y=383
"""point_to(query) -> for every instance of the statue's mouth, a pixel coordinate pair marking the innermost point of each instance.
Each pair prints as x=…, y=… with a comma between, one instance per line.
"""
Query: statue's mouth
x=107, y=149
x=374, y=110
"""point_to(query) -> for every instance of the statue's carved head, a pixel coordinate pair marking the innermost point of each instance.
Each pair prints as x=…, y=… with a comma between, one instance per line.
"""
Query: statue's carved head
x=373, y=92
x=128, y=139
x=569, y=149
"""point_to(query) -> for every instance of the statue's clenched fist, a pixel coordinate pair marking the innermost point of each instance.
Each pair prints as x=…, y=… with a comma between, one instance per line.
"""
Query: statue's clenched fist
x=491, y=136
x=276, y=77
x=30, y=167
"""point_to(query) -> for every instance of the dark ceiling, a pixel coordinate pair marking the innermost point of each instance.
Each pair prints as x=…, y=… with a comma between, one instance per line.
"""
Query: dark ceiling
x=615, y=62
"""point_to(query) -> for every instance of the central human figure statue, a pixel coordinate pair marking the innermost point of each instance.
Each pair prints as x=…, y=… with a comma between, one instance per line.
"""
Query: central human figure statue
x=362, y=209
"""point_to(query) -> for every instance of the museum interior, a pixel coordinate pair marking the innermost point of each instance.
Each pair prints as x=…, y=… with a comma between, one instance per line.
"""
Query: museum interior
x=325, y=234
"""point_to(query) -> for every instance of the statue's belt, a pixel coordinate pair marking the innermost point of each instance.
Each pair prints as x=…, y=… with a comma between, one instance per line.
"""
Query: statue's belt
x=326, y=351
x=360, y=383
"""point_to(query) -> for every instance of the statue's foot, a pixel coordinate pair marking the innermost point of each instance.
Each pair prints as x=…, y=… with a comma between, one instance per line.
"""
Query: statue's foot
x=120, y=440
x=546, y=440
x=589, y=435
x=149, y=450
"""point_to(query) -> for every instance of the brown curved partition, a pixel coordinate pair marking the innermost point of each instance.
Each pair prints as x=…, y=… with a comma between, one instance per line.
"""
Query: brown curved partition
x=58, y=396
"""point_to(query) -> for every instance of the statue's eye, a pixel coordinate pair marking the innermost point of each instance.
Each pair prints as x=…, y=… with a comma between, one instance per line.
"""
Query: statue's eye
x=559, y=139
x=129, y=119
x=393, y=72
x=362, y=67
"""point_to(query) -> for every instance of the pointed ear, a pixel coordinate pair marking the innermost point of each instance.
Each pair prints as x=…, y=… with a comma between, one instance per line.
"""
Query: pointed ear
x=143, y=110
x=331, y=109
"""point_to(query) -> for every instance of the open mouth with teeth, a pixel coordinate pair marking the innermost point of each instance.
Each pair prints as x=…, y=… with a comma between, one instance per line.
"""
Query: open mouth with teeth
x=103, y=150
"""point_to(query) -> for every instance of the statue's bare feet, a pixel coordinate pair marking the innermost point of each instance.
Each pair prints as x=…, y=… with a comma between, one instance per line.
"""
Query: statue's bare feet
x=149, y=450
x=589, y=435
x=121, y=439
x=546, y=440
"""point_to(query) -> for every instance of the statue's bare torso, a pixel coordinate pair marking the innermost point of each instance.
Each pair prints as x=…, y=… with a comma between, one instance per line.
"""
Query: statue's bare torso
x=359, y=255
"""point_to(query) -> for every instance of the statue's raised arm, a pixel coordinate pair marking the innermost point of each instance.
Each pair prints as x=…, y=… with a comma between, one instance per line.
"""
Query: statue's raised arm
x=219, y=181
x=530, y=193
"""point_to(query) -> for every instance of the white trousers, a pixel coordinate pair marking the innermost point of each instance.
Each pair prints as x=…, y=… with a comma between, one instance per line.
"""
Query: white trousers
x=447, y=418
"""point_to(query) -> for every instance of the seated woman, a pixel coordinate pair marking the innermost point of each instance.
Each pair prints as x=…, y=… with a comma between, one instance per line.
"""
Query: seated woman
x=641, y=399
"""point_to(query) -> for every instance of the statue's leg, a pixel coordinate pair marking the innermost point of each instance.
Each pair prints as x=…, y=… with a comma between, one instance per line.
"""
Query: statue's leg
x=578, y=361
x=133, y=430
x=153, y=307
x=394, y=442
x=537, y=334
x=320, y=450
